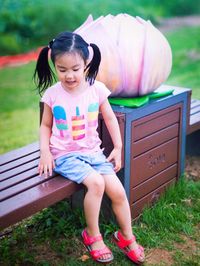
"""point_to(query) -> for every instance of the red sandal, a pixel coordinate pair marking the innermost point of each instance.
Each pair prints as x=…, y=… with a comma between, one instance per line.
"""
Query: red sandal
x=96, y=254
x=123, y=244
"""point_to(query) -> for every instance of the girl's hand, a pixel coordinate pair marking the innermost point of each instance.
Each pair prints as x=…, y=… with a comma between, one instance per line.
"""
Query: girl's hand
x=46, y=164
x=115, y=158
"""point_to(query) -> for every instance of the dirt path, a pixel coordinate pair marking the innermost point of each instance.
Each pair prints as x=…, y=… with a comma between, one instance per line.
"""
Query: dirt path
x=178, y=22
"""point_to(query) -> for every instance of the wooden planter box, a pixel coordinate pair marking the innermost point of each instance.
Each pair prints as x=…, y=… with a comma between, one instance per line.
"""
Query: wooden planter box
x=154, y=147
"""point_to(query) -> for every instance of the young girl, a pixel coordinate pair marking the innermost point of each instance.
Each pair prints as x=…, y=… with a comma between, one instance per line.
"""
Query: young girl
x=69, y=142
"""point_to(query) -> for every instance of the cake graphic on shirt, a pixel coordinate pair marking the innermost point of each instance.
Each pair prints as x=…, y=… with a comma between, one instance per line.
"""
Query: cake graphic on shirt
x=78, y=125
x=93, y=110
x=60, y=119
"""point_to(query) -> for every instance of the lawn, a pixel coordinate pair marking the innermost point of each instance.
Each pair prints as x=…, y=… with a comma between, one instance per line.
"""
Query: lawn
x=186, y=59
x=19, y=111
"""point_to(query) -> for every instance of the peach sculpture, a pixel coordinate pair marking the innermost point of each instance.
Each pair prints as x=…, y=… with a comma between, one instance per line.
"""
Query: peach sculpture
x=136, y=57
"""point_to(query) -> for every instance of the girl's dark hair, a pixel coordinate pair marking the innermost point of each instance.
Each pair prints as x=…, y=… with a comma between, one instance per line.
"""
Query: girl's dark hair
x=65, y=42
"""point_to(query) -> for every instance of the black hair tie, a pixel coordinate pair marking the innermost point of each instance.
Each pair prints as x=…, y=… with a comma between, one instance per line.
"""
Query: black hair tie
x=51, y=43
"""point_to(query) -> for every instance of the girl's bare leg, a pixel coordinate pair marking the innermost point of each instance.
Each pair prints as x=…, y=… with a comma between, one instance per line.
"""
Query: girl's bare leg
x=92, y=202
x=120, y=206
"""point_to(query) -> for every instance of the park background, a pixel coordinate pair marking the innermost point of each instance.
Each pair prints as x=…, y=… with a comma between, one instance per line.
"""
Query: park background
x=27, y=24
x=47, y=239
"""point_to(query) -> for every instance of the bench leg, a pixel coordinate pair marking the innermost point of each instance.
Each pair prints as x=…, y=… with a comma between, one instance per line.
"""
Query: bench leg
x=193, y=144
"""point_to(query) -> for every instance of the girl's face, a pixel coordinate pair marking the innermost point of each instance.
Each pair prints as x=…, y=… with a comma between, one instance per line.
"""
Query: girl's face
x=70, y=70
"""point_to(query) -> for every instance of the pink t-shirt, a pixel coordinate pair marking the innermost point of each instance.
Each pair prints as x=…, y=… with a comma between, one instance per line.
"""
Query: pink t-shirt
x=75, y=118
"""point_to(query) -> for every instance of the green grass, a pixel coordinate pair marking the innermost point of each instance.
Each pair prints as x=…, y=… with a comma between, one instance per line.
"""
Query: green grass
x=19, y=111
x=185, y=44
x=52, y=237
x=176, y=212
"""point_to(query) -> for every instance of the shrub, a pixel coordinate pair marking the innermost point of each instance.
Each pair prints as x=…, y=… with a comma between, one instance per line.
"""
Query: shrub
x=26, y=24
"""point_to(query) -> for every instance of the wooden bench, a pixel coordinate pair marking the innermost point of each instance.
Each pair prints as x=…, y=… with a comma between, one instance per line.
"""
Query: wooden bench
x=194, y=124
x=23, y=192
x=193, y=129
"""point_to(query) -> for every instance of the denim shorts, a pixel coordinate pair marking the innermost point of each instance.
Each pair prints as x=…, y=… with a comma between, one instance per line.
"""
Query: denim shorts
x=77, y=167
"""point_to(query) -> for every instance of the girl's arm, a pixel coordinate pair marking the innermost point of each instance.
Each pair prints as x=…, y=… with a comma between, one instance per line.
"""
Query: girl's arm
x=113, y=128
x=46, y=163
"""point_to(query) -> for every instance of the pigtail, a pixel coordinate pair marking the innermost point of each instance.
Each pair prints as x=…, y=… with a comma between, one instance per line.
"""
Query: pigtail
x=43, y=75
x=93, y=67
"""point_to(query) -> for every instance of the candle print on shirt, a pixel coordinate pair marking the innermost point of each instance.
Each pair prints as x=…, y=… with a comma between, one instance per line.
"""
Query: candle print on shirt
x=78, y=125
x=93, y=111
x=60, y=119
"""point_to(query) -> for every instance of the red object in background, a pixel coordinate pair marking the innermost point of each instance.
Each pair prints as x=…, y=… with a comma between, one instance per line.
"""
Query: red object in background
x=13, y=60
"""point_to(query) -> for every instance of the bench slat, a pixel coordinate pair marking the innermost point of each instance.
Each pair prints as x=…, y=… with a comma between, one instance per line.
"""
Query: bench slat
x=194, y=123
x=19, y=162
x=35, y=199
x=195, y=119
x=194, y=104
x=18, y=188
x=193, y=100
x=18, y=153
x=18, y=179
x=18, y=170
x=193, y=116
x=195, y=109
